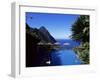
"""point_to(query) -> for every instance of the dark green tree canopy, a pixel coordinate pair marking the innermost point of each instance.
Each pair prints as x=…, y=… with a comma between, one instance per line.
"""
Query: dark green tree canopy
x=80, y=29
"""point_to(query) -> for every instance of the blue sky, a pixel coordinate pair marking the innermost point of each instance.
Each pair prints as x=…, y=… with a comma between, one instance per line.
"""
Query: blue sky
x=59, y=25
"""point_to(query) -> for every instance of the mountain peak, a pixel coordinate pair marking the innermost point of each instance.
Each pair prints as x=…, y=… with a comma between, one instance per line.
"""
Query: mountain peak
x=43, y=34
x=42, y=28
x=46, y=35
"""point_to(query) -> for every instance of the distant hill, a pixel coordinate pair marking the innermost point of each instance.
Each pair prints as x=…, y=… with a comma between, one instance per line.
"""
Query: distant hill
x=42, y=33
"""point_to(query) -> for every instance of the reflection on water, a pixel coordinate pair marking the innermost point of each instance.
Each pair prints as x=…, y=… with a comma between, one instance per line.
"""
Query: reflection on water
x=65, y=55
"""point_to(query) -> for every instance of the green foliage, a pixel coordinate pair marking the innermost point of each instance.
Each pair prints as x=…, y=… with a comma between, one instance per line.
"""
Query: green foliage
x=80, y=29
x=83, y=52
x=27, y=28
x=80, y=32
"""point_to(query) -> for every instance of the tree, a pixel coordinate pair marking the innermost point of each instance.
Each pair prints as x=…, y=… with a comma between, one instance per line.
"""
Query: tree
x=80, y=32
x=80, y=29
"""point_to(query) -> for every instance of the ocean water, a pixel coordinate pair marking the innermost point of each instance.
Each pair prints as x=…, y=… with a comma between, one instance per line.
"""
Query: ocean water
x=66, y=55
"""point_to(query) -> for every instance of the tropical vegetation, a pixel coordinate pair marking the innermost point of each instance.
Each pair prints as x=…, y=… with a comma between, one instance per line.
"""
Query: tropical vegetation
x=80, y=32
